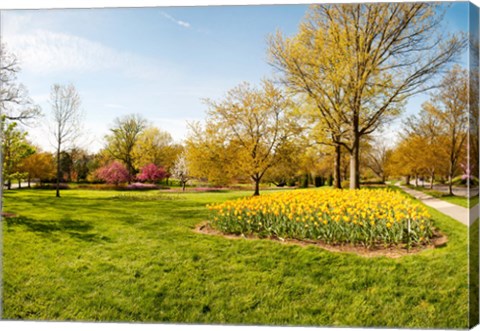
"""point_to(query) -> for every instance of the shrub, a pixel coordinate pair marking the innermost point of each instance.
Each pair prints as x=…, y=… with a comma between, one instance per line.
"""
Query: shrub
x=96, y=186
x=151, y=173
x=372, y=181
x=61, y=186
x=292, y=182
x=208, y=189
x=366, y=217
x=141, y=186
x=113, y=173
x=319, y=181
x=463, y=180
x=330, y=180
x=304, y=181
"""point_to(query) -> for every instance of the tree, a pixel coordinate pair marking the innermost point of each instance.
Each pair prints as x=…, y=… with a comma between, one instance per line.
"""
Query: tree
x=474, y=119
x=405, y=158
x=360, y=62
x=449, y=106
x=15, y=148
x=66, y=166
x=254, y=124
x=152, y=146
x=81, y=160
x=151, y=173
x=288, y=164
x=157, y=147
x=181, y=170
x=15, y=104
x=123, y=138
x=66, y=121
x=113, y=173
x=209, y=156
x=426, y=134
x=39, y=165
x=377, y=159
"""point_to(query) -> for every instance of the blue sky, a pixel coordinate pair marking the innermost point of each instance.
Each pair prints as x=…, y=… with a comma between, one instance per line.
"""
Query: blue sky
x=159, y=62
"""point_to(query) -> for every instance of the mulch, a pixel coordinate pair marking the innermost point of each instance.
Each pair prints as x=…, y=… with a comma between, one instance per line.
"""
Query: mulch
x=8, y=215
x=438, y=240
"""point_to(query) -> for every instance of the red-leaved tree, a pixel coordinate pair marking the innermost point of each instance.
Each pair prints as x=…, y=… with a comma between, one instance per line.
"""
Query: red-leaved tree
x=151, y=173
x=113, y=173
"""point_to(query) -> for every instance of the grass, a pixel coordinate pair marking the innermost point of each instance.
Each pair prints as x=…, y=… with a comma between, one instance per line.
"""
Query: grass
x=133, y=256
x=455, y=199
x=473, y=273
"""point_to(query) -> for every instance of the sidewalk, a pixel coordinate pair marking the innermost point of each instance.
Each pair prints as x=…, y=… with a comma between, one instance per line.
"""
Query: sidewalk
x=461, y=214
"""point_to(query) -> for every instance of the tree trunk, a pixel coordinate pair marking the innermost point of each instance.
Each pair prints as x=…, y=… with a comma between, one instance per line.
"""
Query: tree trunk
x=416, y=180
x=183, y=185
x=9, y=184
x=58, y=170
x=407, y=180
x=355, y=164
x=257, y=187
x=450, y=184
x=337, y=171
x=28, y=181
x=19, y=183
x=432, y=179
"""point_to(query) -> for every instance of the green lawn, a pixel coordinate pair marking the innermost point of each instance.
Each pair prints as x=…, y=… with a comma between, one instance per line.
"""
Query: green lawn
x=133, y=256
x=457, y=200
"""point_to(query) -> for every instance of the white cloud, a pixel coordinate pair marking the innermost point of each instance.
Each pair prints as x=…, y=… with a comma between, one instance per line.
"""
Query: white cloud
x=176, y=21
x=43, y=51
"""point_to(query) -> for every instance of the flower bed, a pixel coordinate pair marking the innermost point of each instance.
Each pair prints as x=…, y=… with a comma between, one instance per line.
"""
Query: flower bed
x=360, y=217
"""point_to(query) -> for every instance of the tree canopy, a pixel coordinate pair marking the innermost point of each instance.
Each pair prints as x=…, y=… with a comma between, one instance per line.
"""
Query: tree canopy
x=360, y=62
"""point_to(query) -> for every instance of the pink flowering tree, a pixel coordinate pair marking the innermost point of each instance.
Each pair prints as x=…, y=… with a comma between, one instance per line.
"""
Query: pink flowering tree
x=113, y=173
x=151, y=173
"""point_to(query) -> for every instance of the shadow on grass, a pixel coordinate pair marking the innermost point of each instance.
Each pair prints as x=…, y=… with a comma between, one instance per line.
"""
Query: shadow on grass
x=76, y=229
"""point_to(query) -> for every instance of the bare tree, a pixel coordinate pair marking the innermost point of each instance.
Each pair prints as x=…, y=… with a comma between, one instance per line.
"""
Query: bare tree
x=66, y=120
x=15, y=105
x=449, y=105
x=377, y=157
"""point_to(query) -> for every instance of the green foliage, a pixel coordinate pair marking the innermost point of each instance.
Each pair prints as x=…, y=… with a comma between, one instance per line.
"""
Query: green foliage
x=459, y=180
x=292, y=182
x=15, y=148
x=330, y=180
x=124, y=136
x=319, y=181
x=304, y=181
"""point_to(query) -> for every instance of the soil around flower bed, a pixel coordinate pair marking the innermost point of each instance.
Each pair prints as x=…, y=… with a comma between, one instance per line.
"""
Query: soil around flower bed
x=438, y=240
x=8, y=215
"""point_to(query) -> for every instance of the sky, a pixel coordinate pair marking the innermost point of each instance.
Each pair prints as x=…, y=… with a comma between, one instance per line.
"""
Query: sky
x=158, y=62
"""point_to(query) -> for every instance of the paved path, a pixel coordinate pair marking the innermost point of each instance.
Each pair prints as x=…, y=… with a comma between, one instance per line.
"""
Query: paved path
x=462, y=191
x=461, y=214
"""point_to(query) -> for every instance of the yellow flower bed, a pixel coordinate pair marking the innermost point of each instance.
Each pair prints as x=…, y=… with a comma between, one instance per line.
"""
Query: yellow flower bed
x=368, y=217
